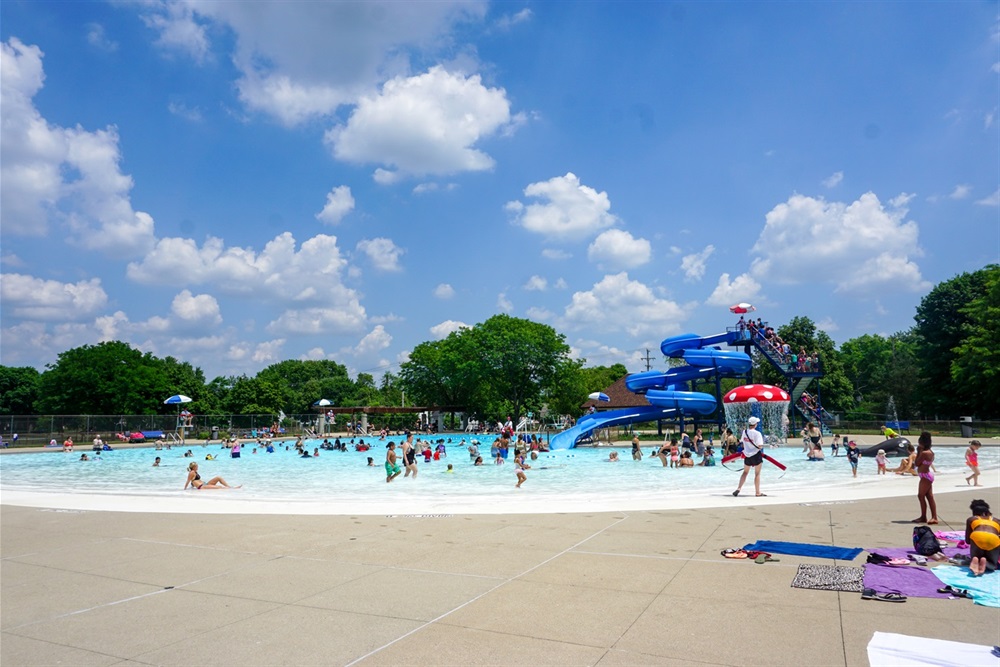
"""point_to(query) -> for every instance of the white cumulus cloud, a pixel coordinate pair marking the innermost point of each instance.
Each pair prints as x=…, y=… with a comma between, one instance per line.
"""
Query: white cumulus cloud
x=442, y=330
x=961, y=191
x=302, y=60
x=425, y=124
x=536, y=284
x=65, y=175
x=805, y=233
x=382, y=253
x=308, y=277
x=834, y=179
x=200, y=308
x=992, y=200
x=339, y=203
x=617, y=303
x=444, y=291
x=727, y=292
x=693, y=265
x=616, y=249
x=567, y=209
x=38, y=299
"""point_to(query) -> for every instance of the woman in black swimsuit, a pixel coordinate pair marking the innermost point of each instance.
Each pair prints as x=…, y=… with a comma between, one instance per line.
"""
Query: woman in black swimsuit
x=194, y=480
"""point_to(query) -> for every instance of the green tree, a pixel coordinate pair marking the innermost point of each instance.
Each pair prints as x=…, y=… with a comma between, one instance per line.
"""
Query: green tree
x=881, y=369
x=253, y=396
x=18, y=390
x=943, y=322
x=111, y=378
x=975, y=369
x=444, y=372
x=302, y=383
x=574, y=382
x=520, y=360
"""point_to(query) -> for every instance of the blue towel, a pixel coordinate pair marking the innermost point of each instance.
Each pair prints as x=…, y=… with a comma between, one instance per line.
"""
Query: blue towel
x=802, y=549
x=985, y=589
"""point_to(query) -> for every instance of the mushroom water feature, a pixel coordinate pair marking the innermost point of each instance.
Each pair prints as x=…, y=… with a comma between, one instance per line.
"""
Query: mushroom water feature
x=764, y=401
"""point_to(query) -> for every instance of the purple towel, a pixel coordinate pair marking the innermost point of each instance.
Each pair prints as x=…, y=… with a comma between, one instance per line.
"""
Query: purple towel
x=904, y=552
x=909, y=580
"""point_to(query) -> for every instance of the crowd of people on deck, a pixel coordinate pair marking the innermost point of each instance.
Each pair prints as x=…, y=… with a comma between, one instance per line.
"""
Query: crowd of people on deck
x=799, y=361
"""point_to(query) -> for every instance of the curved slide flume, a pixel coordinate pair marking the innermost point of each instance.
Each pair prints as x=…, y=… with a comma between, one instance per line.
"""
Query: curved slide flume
x=660, y=387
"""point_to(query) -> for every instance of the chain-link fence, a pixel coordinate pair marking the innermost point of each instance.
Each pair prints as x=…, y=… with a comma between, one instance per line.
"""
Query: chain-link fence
x=37, y=430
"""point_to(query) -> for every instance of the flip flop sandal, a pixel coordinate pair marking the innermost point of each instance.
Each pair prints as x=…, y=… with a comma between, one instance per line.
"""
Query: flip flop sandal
x=765, y=558
x=868, y=594
x=891, y=597
x=956, y=592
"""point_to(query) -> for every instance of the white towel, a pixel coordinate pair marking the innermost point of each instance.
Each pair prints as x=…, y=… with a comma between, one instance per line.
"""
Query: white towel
x=887, y=649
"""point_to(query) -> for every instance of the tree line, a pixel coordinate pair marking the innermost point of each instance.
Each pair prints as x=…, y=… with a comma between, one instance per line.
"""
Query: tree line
x=944, y=366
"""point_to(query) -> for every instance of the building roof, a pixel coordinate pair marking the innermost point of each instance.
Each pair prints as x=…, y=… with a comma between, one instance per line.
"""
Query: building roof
x=620, y=397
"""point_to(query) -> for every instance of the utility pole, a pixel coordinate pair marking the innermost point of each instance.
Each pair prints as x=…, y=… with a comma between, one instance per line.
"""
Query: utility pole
x=648, y=358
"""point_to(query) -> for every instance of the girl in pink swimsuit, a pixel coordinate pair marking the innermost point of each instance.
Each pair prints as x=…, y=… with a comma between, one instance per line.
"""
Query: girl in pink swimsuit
x=925, y=489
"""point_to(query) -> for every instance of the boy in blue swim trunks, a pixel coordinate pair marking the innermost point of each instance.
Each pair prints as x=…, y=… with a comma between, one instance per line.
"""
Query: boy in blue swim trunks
x=392, y=469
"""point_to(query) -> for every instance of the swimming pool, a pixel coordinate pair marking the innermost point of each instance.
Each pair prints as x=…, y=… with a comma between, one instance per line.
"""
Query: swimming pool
x=567, y=480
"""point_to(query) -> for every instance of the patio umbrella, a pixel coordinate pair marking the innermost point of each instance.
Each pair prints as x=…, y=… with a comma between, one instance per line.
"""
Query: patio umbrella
x=322, y=403
x=599, y=396
x=177, y=399
x=741, y=308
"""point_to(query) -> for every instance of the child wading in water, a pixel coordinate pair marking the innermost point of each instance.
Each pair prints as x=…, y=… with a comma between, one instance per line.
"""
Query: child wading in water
x=880, y=460
x=853, y=456
x=519, y=467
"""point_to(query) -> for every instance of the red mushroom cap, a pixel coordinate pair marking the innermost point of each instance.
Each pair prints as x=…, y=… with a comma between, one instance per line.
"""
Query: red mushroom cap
x=753, y=393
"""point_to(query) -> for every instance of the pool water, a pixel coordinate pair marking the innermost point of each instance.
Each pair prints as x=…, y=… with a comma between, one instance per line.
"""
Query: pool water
x=283, y=476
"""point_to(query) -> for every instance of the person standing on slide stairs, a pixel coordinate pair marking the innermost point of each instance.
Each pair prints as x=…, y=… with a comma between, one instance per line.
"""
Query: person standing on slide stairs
x=753, y=455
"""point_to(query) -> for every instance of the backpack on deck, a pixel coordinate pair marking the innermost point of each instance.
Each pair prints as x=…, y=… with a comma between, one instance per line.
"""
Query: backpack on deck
x=924, y=542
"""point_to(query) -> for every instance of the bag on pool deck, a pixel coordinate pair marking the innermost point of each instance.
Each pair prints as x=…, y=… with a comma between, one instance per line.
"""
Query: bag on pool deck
x=924, y=542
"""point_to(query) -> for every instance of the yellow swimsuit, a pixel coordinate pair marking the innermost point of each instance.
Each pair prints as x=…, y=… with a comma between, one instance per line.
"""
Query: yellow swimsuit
x=984, y=539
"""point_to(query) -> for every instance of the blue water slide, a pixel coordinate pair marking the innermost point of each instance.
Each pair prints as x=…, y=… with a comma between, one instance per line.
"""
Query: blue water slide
x=585, y=425
x=663, y=389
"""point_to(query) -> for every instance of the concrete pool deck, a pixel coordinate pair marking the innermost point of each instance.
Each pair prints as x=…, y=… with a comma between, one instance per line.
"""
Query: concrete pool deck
x=602, y=588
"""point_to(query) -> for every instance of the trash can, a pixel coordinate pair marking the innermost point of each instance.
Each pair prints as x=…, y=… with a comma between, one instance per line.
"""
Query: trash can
x=215, y=433
x=965, y=424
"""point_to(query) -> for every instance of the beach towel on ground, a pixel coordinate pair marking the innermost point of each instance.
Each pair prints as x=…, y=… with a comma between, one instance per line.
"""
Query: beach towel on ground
x=887, y=649
x=829, y=578
x=911, y=581
x=985, y=590
x=803, y=549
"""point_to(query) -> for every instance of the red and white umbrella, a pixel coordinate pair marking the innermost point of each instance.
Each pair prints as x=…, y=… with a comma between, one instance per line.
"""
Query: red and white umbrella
x=741, y=308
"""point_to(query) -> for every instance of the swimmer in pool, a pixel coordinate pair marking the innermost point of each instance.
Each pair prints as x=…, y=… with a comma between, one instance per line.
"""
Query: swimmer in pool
x=156, y=462
x=392, y=469
x=194, y=480
x=478, y=461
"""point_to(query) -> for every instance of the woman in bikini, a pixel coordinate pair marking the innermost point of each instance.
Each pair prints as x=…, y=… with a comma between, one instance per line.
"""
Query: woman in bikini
x=194, y=480
x=982, y=532
x=925, y=490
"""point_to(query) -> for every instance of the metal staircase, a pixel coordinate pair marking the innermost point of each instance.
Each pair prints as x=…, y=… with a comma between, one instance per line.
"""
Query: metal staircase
x=797, y=382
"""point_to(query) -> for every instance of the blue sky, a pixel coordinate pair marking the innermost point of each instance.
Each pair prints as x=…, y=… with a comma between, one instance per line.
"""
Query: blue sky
x=235, y=184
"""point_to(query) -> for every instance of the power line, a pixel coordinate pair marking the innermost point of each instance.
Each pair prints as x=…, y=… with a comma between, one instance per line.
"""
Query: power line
x=648, y=358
